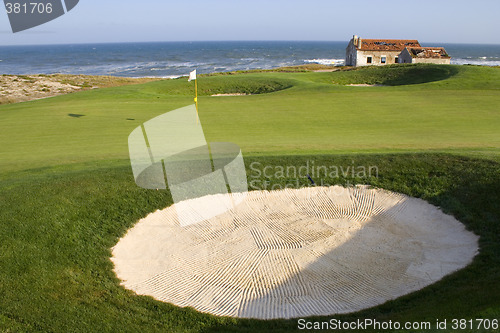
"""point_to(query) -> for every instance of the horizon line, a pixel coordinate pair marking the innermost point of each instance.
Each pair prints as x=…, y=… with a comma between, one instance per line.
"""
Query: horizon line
x=227, y=41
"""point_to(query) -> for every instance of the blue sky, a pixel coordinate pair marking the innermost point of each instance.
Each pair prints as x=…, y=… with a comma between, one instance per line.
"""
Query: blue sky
x=192, y=20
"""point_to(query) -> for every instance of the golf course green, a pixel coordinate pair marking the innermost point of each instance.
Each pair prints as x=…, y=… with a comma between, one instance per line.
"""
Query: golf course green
x=67, y=192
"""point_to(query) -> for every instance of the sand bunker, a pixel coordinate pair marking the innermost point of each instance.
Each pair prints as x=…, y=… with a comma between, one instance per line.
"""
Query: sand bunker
x=295, y=253
x=365, y=85
x=234, y=94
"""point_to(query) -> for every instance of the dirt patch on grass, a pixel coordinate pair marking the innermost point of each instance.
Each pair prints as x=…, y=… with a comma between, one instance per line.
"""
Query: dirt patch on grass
x=22, y=88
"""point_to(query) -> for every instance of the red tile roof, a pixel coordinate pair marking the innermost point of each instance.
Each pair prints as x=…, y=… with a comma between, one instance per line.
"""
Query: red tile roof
x=387, y=44
x=428, y=52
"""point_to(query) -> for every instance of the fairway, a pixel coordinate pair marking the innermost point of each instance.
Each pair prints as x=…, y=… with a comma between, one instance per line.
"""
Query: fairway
x=67, y=193
x=312, y=115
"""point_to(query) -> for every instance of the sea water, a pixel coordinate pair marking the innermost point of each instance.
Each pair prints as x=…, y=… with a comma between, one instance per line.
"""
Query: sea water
x=173, y=59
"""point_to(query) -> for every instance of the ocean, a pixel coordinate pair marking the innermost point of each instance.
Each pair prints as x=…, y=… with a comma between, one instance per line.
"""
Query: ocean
x=174, y=59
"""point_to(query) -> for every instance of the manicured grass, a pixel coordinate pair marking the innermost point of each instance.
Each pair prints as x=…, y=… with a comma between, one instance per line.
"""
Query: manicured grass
x=312, y=116
x=67, y=193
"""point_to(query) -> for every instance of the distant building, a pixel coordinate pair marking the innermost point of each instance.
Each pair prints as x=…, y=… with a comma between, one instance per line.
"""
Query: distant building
x=376, y=52
x=379, y=52
x=415, y=55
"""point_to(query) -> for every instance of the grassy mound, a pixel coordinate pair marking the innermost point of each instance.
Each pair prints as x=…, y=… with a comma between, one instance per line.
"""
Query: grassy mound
x=395, y=75
x=212, y=85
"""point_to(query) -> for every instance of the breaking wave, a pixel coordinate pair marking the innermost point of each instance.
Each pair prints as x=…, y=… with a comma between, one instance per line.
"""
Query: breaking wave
x=334, y=62
x=481, y=61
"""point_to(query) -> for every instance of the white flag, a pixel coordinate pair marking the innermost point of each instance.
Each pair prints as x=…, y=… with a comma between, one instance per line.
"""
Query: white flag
x=192, y=75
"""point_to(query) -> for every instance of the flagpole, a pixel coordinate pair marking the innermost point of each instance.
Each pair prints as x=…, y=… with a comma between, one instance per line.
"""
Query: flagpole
x=192, y=76
x=196, y=99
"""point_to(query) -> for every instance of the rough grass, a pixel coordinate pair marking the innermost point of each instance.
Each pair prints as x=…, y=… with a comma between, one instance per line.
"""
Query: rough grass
x=58, y=227
x=285, y=69
x=103, y=81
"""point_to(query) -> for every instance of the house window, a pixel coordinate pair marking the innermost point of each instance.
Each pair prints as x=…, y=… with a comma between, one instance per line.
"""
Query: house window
x=396, y=60
x=368, y=60
x=383, y=59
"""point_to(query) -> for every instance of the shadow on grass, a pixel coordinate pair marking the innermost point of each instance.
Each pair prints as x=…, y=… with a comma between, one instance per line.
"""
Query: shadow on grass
x=420, y=74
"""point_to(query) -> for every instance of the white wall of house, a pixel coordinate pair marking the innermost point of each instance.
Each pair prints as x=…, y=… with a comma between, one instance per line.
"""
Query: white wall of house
x=440, y=61
x=376, y=58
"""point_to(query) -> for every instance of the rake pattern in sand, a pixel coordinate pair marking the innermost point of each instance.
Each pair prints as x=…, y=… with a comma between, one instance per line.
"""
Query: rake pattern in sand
x=295, y=253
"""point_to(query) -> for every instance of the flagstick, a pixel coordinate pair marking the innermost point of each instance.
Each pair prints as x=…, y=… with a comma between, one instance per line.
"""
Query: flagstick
x=196, y=99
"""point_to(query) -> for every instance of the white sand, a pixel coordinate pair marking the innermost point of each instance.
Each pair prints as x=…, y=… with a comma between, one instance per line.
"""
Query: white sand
x=365, y=85
x=295, y=253
x=234, y=94
x=14, y=88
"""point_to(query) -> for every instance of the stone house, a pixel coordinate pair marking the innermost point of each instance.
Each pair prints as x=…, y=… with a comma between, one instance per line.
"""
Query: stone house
x=376, y=52
x=416, y=55
x=379, y=52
